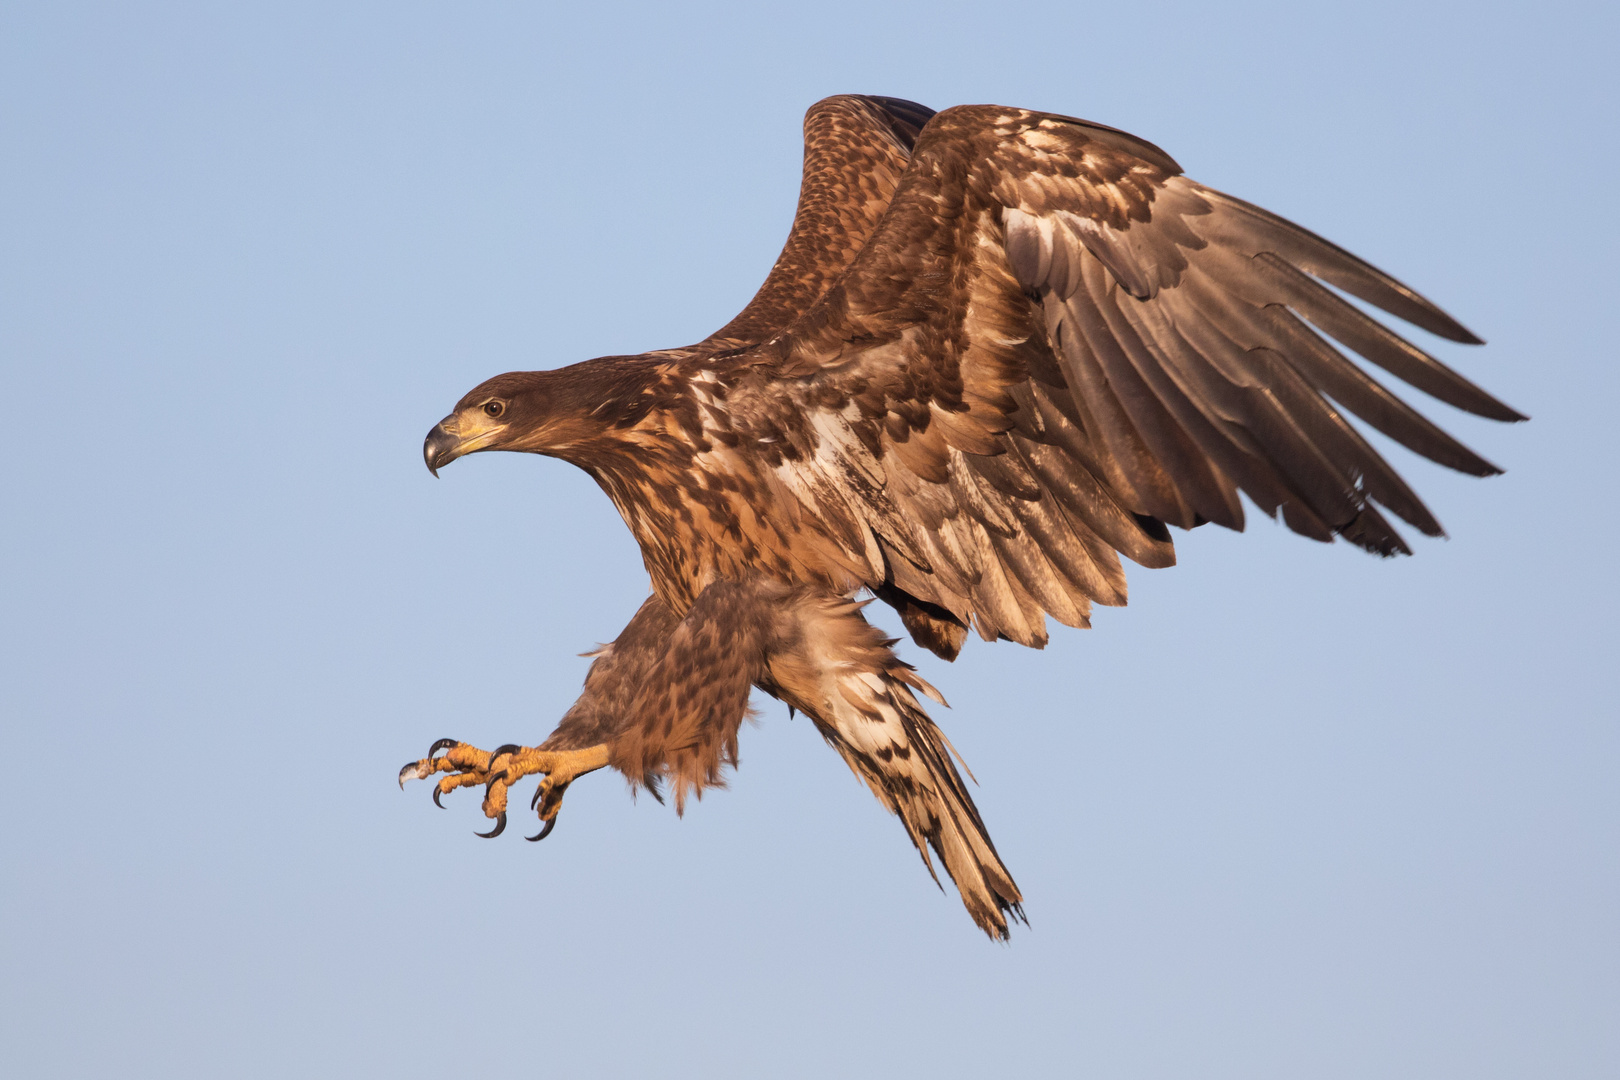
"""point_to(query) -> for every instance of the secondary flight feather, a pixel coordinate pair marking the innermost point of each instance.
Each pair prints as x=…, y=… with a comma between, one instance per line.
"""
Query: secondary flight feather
x=999, y=350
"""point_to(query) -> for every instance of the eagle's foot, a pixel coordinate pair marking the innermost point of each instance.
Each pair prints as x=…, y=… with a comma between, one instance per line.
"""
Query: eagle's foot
x=467, y=765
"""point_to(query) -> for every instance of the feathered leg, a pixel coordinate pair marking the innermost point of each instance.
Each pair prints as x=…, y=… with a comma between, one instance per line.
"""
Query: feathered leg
x=662, y=704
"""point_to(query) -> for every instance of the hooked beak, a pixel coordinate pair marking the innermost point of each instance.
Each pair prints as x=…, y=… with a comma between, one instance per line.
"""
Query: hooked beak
x=441, y=447
x=459, y=434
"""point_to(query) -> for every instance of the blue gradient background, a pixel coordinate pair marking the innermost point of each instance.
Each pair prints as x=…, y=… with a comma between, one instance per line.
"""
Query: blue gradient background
x=1295, y=813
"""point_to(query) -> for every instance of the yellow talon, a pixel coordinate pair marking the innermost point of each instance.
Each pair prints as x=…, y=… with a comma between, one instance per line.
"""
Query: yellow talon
x=468, y=766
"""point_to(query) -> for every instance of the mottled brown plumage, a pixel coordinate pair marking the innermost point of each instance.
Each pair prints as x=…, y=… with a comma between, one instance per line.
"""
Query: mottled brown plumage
x=999, y=350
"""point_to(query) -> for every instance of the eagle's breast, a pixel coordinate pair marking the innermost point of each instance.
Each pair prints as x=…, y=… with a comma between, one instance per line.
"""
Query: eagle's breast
x=702, y=496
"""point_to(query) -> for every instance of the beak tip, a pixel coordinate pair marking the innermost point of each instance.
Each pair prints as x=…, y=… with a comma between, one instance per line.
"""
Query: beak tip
x=438, y=449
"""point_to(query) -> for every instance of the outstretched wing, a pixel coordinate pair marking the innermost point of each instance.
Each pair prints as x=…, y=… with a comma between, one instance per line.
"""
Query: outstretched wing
x=1052, y=344
x=856, y=148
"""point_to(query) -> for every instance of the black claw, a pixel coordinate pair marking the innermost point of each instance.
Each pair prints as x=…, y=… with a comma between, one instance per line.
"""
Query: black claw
x=500, y=827
x=505, y=748
x=443, y=744
x=559, y=790
x=436, y=801
x=543, y=833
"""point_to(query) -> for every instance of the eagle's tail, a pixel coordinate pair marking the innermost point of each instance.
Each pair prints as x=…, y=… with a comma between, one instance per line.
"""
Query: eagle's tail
x=843, y=674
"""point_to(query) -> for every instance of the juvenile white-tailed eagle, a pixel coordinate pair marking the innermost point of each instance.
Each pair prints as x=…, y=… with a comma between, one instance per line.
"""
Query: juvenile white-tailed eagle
x=1000, y=349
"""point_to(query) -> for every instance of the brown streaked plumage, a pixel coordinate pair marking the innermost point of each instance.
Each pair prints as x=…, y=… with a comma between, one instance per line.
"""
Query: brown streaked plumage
x=999, y=350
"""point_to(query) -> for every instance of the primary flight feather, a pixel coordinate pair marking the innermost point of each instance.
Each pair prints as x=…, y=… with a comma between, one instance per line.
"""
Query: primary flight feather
x=999, y=350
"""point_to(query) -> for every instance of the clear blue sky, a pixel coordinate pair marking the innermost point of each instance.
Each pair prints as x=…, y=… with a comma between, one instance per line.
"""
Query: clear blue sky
x=1294, y=813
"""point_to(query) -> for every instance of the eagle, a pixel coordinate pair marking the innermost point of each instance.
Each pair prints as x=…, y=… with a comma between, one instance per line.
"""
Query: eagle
x=999, y=350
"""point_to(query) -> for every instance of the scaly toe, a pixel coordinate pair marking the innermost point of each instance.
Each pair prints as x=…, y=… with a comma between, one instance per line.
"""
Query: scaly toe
x=455, y=780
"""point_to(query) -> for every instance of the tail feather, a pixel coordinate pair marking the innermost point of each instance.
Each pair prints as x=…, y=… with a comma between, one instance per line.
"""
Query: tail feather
x=906, y=761
x=845, y=677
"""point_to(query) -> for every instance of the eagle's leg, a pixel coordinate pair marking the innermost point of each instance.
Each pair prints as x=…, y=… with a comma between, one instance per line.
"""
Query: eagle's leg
x=661, y=704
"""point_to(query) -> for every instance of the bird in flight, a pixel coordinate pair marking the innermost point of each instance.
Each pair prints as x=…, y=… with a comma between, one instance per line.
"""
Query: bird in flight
x=999, y=350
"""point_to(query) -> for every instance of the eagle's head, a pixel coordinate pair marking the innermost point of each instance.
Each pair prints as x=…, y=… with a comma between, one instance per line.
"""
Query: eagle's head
x=563, y=413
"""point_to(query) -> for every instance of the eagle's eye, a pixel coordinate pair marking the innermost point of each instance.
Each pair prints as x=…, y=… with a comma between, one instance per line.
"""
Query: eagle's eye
x=494, y=408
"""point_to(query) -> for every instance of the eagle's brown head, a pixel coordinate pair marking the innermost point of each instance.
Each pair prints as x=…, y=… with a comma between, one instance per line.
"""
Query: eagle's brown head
x=564, y=413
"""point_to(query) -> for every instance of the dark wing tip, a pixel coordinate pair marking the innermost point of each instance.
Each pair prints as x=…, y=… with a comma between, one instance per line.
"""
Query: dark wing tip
x=1419, y=310
x=1338, y=267
x=905, y=118
x=1493, y=409
x=1511, y=415
x=911, y=110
